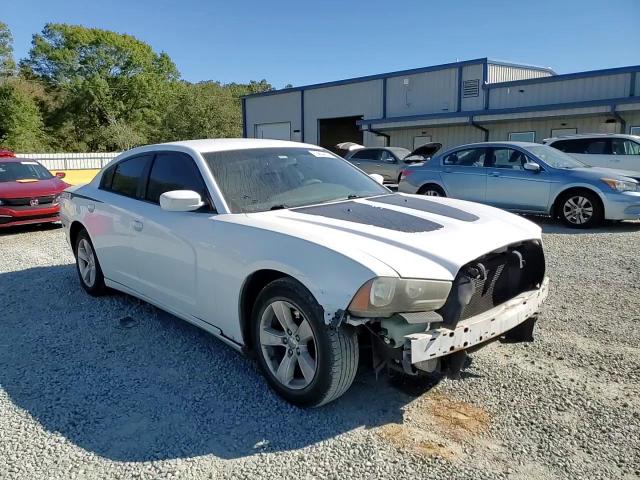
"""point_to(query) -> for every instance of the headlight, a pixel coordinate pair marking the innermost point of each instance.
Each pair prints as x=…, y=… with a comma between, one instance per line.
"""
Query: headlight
x=56, y=199
x=621, y=185
x=384, y=296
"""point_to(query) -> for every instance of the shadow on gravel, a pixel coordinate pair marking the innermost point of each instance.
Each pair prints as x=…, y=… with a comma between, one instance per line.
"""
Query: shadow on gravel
x=550, y=225
x=128, y=382
x=4, y=231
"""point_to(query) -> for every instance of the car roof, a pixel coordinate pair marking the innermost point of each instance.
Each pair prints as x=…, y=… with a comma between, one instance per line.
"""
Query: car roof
x=577, y=136
x=223, y=144
x=497, y=144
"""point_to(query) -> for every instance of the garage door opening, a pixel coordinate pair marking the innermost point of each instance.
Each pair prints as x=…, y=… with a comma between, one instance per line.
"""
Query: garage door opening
x=337, y=130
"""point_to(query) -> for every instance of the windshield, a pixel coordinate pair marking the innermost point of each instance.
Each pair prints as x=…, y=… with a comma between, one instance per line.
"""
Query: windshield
x=399, y=152
x=25, y=170
x=269, y=178
x=554, y=157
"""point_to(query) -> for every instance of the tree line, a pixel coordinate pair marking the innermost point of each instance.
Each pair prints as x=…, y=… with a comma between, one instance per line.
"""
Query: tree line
x=86, y=89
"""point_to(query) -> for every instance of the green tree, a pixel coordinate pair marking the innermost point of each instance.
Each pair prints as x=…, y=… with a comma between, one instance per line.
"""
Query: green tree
x=113, y=87
x=7, y=64
x=21, y=125
x=207, y=110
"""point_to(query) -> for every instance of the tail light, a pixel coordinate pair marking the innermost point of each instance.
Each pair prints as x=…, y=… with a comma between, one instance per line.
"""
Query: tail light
x=405, y=173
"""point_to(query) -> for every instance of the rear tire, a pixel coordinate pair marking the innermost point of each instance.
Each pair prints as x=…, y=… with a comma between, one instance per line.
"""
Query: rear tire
x=432, y=190
x=88, y=266
x=305, y=361
x=580, y=209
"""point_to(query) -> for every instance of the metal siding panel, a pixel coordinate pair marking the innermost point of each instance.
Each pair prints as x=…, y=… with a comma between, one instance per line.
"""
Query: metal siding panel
x=274, y=109
x=472, y=72
x=430, y=92
x=71, y=161
x=341, y=101
x=543, y=127
x=504, y=73
x=449, y=136
x=564, y=91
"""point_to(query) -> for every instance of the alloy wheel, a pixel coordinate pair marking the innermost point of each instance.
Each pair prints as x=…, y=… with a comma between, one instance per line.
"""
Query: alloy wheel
x=578, y=210
x=432, y=193
x=86, y=262
x=288, y=345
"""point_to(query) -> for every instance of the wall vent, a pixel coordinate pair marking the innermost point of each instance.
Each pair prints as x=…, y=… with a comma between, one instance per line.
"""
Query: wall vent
x=471, y=88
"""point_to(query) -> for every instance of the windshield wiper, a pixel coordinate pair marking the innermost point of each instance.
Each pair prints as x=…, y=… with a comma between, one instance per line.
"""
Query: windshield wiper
x=279, y=206
x=353, y=196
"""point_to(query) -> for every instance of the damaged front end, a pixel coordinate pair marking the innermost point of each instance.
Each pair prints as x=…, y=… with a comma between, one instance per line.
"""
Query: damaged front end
x=495, y=296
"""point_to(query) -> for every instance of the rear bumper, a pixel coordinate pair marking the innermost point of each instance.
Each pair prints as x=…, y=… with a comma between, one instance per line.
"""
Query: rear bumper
x=439, y=342
x=10, y=217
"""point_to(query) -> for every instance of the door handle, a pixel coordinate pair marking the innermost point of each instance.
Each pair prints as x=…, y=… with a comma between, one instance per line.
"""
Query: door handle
x=447, y=170
x=138, y=225
x=358, y=163
x=494, y=174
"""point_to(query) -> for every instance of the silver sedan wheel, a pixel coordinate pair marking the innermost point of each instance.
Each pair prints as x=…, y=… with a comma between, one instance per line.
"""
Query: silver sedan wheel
x=86, y=263
x=432, y=193
x=288, y=345
x=577, y=210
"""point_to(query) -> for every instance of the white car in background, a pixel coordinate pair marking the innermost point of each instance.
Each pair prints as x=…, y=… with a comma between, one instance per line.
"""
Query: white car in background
x=618, y=151
x=290, y=253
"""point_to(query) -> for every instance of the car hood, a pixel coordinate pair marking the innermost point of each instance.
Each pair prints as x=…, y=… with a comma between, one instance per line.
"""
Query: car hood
x=31, y=188
x=414, y=236
x=599, y=172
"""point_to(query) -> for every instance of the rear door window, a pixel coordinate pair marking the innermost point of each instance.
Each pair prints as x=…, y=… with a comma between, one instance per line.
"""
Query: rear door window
x=473, y=157
x=621, y=146
x=174, y=171
x=128, y=176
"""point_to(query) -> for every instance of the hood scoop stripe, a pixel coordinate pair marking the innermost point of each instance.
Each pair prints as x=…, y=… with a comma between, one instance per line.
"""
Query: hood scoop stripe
x=371, y=215
x=425, y=205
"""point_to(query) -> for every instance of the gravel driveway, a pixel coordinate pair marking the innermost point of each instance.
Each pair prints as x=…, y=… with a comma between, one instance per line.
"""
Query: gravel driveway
x=114, y=388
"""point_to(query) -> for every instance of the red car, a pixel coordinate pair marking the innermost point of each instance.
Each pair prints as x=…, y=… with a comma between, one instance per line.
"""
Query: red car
x=29, y=193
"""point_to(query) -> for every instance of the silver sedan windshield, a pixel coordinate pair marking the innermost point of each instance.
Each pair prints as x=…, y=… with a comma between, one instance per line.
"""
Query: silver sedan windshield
x=260, y=179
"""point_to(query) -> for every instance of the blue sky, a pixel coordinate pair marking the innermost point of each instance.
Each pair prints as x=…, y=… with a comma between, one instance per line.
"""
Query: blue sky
x=300, y=42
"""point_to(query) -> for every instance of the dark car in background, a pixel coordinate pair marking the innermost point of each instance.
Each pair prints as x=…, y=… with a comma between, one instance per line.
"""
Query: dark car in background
x=29, y=193
x=386, y=161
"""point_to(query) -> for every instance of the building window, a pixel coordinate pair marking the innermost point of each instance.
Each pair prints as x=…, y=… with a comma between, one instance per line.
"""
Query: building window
x=635, y=131
x=471, y=88
x=558, y=132
x=522, y=136
x=421, y=140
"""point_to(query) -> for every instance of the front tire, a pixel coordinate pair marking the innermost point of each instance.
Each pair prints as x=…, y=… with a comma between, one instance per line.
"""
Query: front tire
x=305, y=361
x=580, y=209
x=88, y=266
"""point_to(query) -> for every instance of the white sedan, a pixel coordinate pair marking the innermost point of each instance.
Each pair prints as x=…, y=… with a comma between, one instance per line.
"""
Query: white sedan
x=293, y=255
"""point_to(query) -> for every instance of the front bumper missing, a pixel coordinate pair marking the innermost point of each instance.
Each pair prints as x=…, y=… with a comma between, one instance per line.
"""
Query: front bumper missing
x=436, y=343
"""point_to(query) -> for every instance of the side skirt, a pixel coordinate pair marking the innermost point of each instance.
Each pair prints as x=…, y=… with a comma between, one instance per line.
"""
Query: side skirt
x=212, y=329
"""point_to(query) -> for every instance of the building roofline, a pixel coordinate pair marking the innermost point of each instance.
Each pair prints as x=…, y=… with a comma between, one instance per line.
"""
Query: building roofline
x=566, y=76
x=501, y=111
x=368, y=78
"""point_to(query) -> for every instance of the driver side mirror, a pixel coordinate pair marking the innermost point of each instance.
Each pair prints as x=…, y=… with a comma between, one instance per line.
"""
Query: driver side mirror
x=532, y=167
x=378, y=178
x=180, y=201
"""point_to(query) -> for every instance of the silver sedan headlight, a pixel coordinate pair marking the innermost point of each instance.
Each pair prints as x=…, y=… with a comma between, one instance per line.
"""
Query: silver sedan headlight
x=384, y=296
x=621, y=185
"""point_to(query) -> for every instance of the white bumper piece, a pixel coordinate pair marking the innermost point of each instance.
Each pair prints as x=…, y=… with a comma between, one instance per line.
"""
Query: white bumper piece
x=439, y=342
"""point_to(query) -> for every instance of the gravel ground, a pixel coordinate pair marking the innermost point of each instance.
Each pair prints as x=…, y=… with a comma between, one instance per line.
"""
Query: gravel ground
x=114, y=388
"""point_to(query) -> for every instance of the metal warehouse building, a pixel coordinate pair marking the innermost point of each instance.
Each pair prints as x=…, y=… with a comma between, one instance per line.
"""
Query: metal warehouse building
x=455, y=103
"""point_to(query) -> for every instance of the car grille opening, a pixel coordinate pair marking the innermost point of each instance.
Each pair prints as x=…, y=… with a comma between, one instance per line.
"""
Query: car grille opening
x=493, y=279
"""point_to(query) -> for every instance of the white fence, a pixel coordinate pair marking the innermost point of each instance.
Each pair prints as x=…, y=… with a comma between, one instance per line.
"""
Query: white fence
x=71, y=161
